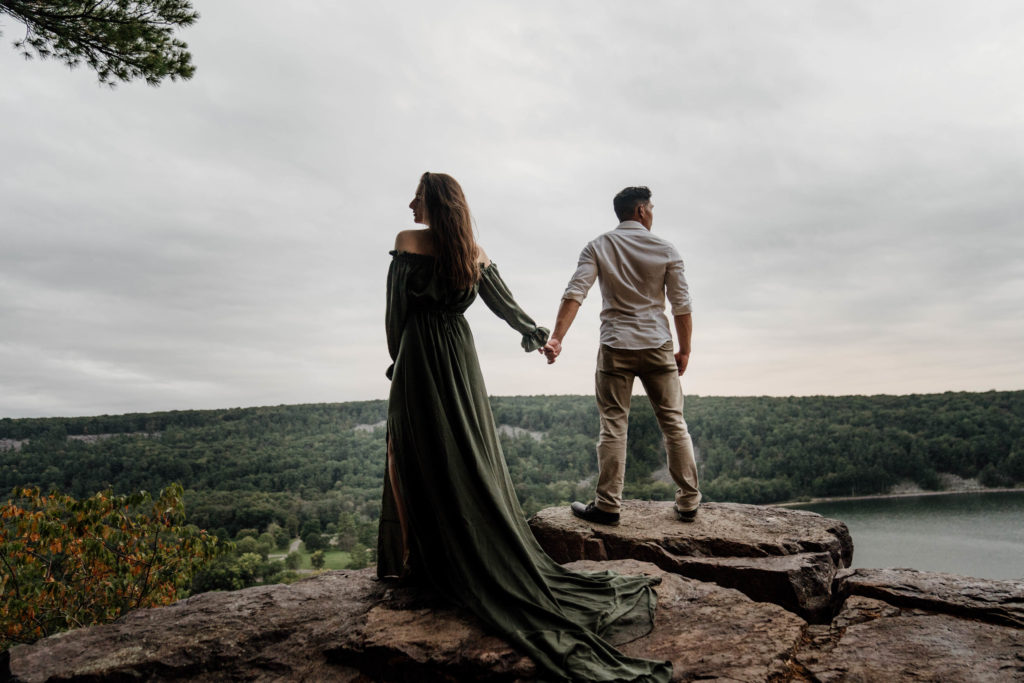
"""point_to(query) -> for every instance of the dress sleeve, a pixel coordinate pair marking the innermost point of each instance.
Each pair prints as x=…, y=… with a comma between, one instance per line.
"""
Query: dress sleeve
x=397, y=308
x=498, y=298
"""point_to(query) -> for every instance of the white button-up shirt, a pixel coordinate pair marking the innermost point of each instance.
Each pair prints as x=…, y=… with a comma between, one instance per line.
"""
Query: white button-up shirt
x=637, y=269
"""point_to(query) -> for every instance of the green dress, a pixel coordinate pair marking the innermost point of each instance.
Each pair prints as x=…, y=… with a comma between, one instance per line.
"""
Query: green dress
x=467, y=536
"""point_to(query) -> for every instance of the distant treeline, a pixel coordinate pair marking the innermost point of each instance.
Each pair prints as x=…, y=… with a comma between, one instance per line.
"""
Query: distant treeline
x=310, y=465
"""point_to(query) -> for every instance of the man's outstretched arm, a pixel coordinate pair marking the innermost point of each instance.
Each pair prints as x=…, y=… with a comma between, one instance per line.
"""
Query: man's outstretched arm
x=563, y=320
x=684, y=330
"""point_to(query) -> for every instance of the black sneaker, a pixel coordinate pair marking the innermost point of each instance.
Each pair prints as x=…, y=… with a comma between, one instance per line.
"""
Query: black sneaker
x=687, y=515
x=592, y=513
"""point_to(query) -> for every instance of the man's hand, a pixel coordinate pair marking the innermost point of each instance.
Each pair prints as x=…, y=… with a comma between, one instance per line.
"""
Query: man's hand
x=682, y=360
x=563, y=320
x=552, y=349
x=684, y=330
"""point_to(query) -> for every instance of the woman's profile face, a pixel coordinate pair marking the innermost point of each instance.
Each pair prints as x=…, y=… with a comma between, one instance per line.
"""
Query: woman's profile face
x=419, y=207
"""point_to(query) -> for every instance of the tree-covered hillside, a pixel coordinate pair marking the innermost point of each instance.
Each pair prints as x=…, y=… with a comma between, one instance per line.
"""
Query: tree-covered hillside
x=303, y=466
x=241, y=467
x=771, y=449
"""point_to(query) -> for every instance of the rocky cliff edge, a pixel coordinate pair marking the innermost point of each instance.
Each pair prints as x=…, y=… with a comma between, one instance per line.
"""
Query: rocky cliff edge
x=748, y=593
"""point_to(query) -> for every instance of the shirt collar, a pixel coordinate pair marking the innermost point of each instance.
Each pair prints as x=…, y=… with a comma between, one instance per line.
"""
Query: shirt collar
x=632, y=225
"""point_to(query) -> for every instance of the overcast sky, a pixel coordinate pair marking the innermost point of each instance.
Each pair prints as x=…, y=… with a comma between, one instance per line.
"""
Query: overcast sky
x=843, y=179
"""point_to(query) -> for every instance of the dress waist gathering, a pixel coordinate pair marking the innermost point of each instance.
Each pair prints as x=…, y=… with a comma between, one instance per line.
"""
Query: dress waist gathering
x=444, y=312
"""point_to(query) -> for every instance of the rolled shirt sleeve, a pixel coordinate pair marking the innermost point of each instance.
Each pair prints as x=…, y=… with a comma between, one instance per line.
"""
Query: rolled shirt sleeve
x=584, y=277
x=676, y=290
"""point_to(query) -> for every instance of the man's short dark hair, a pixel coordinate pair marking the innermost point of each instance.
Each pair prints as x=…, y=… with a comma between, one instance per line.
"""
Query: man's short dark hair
x=625, y=202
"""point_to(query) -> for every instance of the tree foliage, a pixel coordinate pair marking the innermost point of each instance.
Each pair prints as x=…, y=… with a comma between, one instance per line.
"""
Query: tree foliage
x=121, y=40
x=359, y=557
x=761, y=449
x=303, y=468
x=236, y=568
x=313, y=541
x=317, y=559
x=265, y=476
x=68, y=563
x=292, y=560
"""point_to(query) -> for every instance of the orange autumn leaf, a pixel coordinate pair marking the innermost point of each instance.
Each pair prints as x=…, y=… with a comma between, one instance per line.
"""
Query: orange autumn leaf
x=77, y=562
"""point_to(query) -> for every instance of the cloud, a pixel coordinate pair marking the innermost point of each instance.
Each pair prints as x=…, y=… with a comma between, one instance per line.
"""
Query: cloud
x=840, y=178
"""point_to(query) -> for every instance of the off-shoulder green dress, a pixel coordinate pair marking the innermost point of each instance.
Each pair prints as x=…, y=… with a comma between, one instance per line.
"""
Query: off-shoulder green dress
x=467, y=536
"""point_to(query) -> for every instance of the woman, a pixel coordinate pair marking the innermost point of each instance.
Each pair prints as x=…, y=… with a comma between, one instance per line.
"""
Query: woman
x=449, y=517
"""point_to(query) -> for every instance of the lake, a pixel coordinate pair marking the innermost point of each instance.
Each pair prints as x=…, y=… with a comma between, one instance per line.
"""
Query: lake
x=974, y=534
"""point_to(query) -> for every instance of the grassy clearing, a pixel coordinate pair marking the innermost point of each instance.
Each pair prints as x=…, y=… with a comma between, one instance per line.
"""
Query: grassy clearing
x=333, y=559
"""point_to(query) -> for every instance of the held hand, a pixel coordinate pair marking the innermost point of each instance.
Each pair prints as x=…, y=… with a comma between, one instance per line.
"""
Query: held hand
x=552, y=349
x=682, y=360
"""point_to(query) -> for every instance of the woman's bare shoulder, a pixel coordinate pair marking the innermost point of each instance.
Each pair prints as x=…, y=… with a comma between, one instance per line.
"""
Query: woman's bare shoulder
x=481, y=256
x=414, y=242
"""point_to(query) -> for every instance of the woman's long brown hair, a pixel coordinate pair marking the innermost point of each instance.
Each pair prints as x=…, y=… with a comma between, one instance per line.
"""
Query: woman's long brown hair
x=452, y=227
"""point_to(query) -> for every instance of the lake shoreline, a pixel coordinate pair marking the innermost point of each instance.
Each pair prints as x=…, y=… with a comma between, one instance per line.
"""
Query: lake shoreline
x=902, y=494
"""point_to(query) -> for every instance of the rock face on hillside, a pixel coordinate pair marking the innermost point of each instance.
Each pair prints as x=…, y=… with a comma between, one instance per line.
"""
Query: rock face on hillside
x=347, y=626
x=888, y=625
x=789, y=557
x=997, y=602
x=871, y=640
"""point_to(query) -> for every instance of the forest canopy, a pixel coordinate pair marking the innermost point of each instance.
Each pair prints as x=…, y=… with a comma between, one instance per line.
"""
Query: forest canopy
x=303, y=466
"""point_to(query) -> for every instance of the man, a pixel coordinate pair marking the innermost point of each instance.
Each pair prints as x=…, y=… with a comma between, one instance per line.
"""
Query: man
x=636, y=270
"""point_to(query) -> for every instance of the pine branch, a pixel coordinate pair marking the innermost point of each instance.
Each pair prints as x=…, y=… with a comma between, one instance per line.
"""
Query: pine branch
x=120, y=41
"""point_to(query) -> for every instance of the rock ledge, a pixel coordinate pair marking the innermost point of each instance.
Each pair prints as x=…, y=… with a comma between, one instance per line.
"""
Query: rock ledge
x=798, y=615
x=789, y=557
x=347, y=626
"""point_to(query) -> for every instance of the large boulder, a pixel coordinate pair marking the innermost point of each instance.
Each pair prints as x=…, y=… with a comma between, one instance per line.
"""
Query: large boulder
x=789, y=557
x=872, y=640
x=997, y=602
x=347, y=626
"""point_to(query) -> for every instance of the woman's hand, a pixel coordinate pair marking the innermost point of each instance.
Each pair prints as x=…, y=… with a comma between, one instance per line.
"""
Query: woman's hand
x=551, y=349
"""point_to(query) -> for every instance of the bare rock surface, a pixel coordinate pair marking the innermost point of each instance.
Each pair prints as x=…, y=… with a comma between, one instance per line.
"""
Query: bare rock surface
x=788, y=557
x=346, y=626
x=893, y=625
x=871, y=640
x=255, y=634
x=709, y=632
x=997, y=602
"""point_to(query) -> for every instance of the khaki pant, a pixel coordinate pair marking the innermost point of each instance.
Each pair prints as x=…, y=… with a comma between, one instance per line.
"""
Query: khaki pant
x=656, y=368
